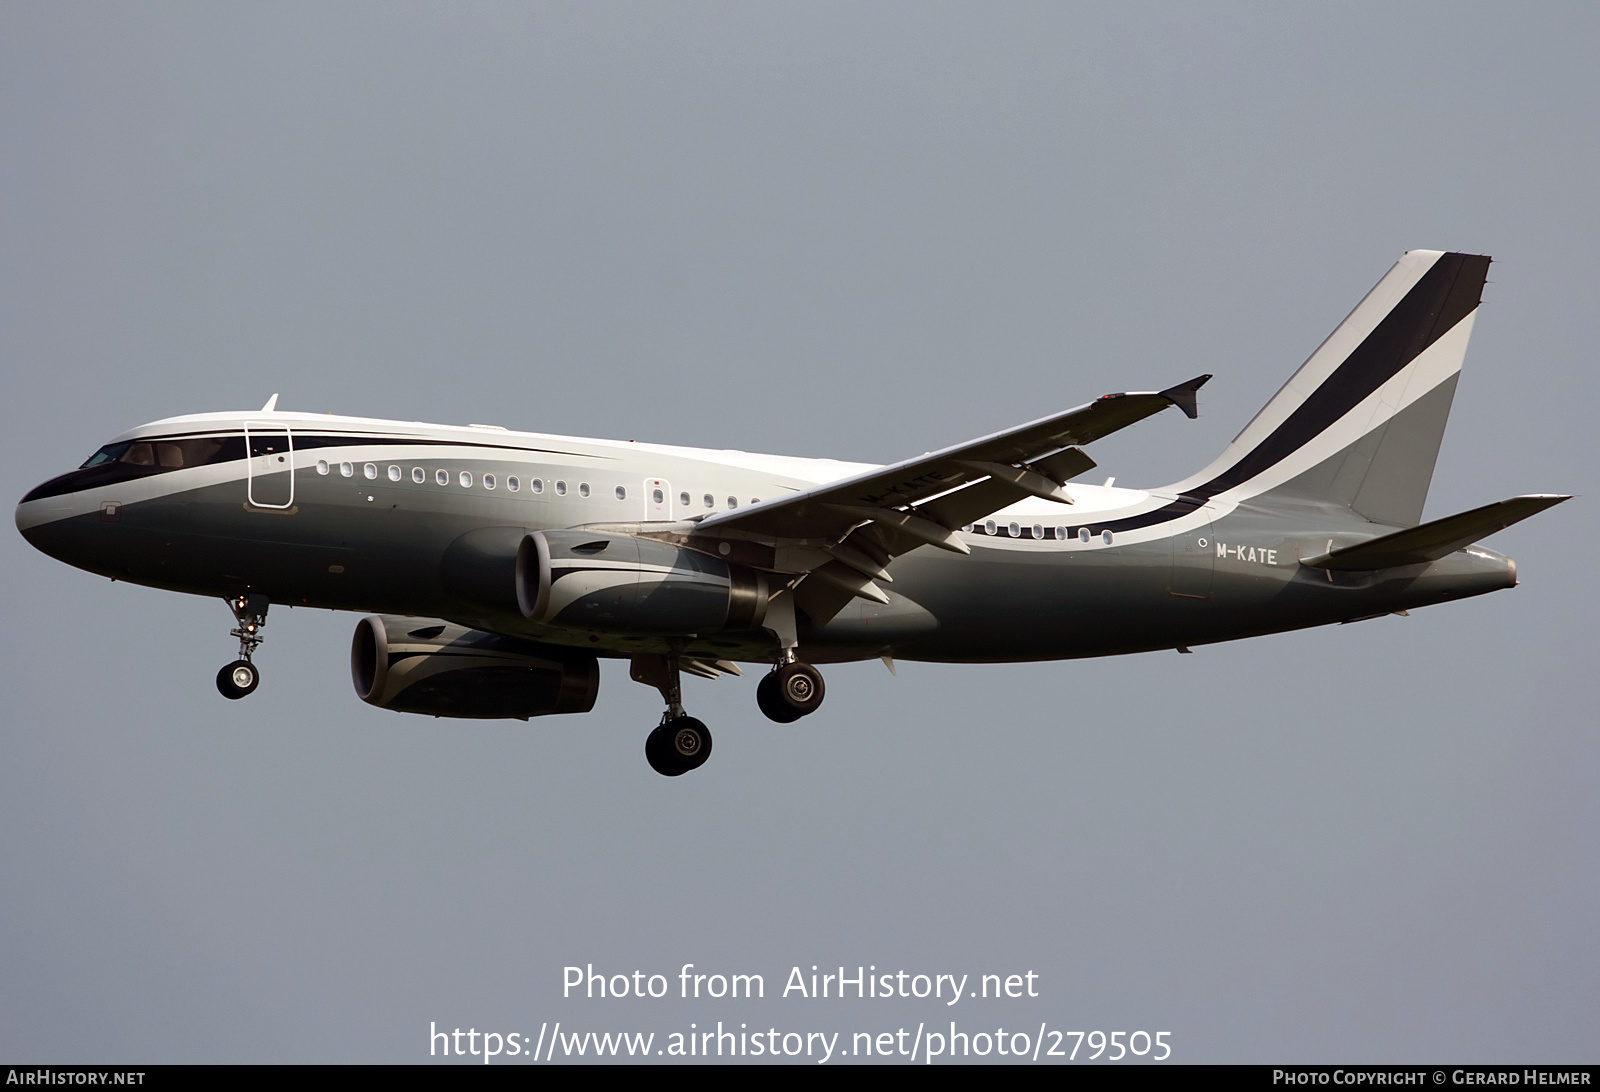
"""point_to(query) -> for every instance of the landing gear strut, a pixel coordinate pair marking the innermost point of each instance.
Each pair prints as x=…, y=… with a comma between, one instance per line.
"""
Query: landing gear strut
x=241, y=677
x=680, y=743
x=792, y=690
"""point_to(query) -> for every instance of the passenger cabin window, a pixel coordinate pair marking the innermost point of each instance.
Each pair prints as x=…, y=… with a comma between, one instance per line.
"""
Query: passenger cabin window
x=583, y=489
x=1083, y=534
x=345, y=470
x=622, y=493
x=733, y=502
x=683, y=499
x=370, y=471
x=536, y=485
x=442, y=477
x=394, y=473
x=417, y=475
x=710, y=501
x=513, y=483
x=561, y=489
x=657, y=496
x=466, y=479
x=488, y=481
x=322, y=466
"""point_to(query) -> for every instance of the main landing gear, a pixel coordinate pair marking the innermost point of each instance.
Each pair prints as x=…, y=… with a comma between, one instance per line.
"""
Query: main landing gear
x=680, y=743
x=241, y=677
x=790, y=691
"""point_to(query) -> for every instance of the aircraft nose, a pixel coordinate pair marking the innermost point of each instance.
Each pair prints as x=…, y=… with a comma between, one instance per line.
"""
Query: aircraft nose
x=51, y=523
x=33, y=527
x=29, y=515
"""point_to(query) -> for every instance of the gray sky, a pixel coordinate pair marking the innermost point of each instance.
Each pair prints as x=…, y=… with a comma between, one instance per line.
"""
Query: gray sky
x=843, y=230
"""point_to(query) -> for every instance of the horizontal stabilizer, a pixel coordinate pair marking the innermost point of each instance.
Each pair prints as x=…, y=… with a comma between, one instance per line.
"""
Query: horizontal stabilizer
x=1431, y=541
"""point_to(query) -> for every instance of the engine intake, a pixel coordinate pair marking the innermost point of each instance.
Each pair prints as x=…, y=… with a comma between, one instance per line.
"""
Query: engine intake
x=416, y=666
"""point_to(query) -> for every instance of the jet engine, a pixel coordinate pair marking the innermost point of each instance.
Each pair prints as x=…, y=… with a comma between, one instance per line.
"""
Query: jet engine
x=622, y=584
x=417, y=666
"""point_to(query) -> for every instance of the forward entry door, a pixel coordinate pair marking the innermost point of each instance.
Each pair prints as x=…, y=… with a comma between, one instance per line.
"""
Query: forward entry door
x=271, y=466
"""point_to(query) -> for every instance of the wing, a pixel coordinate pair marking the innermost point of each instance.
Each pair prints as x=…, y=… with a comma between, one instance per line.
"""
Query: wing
x=843, y=534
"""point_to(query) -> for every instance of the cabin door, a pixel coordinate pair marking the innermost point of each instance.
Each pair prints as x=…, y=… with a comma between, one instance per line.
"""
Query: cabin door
x=270, y=459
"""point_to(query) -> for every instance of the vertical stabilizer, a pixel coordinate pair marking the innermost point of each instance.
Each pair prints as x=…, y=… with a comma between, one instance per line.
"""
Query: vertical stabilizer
x=1359, y=425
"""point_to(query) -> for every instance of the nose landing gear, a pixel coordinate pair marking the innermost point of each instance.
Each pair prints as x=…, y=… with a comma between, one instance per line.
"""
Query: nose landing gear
x=240, y=678
x=237, y=679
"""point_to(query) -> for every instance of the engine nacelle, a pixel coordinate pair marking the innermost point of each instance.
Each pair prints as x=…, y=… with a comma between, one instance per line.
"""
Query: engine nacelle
x=622, y=584
x=444, y=670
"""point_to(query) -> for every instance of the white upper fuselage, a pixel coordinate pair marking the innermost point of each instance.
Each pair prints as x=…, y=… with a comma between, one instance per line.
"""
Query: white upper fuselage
x=702, y=481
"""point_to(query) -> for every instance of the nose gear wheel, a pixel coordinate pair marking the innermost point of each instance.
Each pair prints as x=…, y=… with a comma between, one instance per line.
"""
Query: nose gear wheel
x=240, y=678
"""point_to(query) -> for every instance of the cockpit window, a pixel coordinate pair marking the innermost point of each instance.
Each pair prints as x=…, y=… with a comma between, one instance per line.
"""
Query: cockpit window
x=131, y=459
x=169, y=454
x=108, y=454
x=202, y=451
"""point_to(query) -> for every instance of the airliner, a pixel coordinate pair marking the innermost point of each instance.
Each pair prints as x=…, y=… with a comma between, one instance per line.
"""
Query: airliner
x=498, y=567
